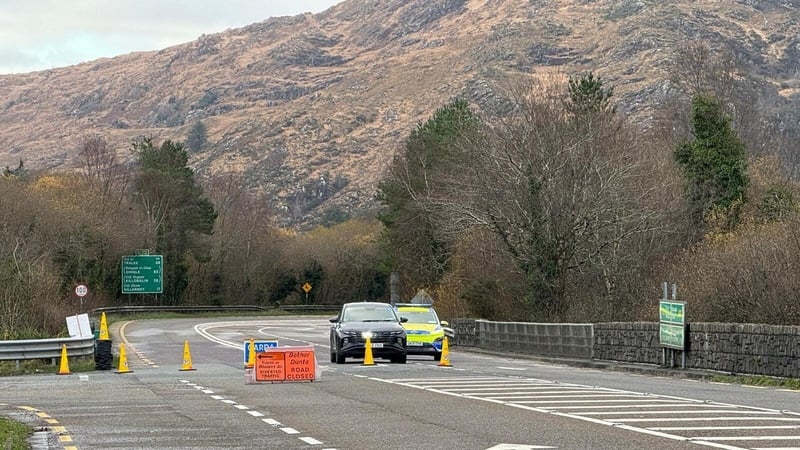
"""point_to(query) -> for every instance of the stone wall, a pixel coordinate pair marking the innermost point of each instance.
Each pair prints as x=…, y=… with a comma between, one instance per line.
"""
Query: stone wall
x=466, y=331
x=745, y=348
x=627, y=341
x=734, y=348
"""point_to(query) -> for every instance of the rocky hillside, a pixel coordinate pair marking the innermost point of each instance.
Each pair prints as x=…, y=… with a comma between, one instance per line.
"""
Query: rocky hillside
x=311, y=108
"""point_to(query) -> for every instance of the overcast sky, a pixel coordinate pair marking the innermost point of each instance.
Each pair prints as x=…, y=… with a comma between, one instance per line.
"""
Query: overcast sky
x=44, y=34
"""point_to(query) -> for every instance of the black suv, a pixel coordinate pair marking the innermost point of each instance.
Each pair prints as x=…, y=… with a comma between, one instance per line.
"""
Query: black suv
x=357, y=321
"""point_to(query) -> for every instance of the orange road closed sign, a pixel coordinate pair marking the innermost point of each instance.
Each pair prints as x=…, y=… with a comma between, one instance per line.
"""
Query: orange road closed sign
x=286, y=364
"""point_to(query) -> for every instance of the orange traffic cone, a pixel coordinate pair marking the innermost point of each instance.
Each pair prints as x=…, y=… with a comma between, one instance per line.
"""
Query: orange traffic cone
x=368, y=361
x=187, y=357
x=251, y=354
x=123, y=360
x=445, y=359
x=63, y=368
x=103, y=328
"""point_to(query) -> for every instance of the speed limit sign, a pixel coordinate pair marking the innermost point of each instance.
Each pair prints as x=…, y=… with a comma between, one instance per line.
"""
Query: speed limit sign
x=81, y=290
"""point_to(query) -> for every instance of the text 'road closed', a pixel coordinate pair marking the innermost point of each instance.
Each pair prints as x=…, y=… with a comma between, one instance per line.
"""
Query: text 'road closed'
x=286, y=364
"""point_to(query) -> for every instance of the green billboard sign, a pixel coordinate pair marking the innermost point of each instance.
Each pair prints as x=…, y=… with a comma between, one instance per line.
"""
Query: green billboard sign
x=142, y=274
x=672, y=312
x=672, y=324
x=672, y=336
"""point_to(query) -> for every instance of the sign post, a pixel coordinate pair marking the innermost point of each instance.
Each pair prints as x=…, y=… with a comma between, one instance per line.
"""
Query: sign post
x=81, y=291
x=142, y=274
x=307, y=288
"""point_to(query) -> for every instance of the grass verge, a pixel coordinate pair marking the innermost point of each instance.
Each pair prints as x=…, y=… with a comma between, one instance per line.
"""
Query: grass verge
x=759, y=380
x=14, y=435
x=34, y=366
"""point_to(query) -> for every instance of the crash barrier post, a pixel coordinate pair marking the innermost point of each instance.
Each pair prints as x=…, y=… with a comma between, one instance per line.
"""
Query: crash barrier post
x=187, y=357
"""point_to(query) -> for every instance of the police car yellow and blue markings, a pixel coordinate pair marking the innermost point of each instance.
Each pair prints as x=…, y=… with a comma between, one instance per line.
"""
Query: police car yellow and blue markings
x=423, y=329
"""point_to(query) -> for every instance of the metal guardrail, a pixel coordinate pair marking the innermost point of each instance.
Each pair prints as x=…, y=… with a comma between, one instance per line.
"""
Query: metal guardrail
x=207, y=308
x=182, y=308
x=45, y=348
x=310, y=307
x=51, y=348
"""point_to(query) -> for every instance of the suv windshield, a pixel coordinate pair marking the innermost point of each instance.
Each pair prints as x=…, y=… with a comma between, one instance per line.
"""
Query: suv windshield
x=369, y=314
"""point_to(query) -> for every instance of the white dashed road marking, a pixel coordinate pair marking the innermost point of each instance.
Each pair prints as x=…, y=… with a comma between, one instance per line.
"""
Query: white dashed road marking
x=269, y=421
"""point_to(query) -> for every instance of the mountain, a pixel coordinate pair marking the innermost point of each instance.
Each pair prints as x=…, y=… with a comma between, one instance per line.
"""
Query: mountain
x=311, y=109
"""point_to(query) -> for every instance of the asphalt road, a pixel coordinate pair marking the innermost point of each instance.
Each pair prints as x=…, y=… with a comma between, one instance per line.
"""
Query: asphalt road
x=481, y=402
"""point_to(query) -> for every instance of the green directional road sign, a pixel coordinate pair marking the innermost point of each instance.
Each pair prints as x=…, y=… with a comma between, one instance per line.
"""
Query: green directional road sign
x=142, y=274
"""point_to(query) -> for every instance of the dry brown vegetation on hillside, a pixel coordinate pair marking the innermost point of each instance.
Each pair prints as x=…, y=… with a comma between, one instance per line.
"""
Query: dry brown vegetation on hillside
x=290, y=102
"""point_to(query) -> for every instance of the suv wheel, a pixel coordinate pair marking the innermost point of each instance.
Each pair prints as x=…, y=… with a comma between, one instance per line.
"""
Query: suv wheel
x=339, y=355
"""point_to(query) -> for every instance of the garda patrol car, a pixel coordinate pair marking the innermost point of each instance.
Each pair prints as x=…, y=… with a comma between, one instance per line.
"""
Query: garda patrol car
x=424, y=331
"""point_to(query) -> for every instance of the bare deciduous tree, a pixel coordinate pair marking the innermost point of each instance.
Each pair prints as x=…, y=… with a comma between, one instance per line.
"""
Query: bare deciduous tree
x=699, y=69
x=102, y=169
x=243, y=249
x=565, y=194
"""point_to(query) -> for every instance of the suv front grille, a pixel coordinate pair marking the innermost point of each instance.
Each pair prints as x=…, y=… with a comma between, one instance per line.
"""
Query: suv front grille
x=383, y=336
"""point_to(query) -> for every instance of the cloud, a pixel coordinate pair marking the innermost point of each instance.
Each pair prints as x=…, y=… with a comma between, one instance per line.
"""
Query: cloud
x=43, y=34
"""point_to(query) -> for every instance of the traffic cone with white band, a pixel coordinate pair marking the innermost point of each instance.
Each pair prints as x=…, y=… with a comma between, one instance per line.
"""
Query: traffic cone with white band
x=187, y=357
x=445, y=360
x=123, y=360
